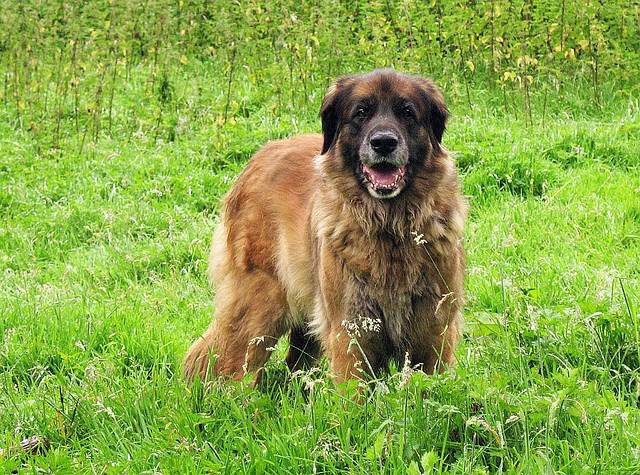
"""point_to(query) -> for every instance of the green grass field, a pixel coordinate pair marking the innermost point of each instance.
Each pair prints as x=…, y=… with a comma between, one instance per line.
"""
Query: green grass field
x=110, y=181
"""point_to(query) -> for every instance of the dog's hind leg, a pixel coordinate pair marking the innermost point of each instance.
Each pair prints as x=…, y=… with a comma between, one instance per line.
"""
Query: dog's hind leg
x=304, y=349
x=250, y=317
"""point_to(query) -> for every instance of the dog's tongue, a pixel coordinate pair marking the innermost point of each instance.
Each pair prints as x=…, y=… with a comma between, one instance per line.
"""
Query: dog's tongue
x=382, y=176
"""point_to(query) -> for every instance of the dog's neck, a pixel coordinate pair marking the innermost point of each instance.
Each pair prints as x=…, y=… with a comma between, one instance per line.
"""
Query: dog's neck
x=424, y=208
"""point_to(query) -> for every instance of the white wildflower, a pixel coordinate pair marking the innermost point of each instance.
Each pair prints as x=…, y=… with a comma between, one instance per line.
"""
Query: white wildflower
x=407, y=371
x=358, y=325
x=91, y=374
x=105, y=409
x=418, y=238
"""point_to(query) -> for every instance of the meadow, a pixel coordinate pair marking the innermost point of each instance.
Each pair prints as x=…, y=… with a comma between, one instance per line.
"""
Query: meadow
x=122, y=124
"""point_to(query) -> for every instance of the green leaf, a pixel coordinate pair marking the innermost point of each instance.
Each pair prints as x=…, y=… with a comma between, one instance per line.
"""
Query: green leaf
x=428, y=461
x=376, y=451
x=413, y=469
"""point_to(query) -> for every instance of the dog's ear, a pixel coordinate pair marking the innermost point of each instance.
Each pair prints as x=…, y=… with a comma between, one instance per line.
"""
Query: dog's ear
x=331, y=110
x=436, y=114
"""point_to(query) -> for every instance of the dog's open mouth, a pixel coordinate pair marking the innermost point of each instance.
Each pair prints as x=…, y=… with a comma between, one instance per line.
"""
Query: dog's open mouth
x=384, y=177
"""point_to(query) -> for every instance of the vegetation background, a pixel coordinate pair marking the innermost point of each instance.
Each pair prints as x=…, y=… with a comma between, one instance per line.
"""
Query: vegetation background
x=122, y=123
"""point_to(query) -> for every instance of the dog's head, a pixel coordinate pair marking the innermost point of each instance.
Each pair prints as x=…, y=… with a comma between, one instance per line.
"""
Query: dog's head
x=384, y=126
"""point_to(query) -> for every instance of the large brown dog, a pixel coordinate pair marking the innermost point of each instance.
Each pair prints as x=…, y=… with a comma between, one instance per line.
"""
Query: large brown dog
x=350, y=241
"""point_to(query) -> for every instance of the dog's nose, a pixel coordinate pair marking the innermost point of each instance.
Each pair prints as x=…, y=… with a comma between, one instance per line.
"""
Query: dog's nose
x=384, y=142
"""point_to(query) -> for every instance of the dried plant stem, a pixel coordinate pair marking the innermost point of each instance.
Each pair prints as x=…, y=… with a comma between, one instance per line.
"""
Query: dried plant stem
x=61, y=102
x=232, y=65
x=98, y=109
x=76, y=85
x=114, y=69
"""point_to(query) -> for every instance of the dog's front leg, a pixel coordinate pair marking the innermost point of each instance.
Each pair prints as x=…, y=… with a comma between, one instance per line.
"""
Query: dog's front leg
x=434, y=335
x=353, y=337
x=356, y=349
x=347, y=322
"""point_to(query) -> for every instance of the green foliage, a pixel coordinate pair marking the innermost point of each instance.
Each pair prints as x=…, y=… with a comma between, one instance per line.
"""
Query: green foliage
x=123, y=123
x=78, y=68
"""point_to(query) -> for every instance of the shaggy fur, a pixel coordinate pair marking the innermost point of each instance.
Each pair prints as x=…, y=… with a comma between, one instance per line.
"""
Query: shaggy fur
x=307, y=246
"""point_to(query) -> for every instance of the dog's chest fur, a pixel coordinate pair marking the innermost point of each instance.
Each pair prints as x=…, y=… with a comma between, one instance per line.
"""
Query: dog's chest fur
x=385, y=277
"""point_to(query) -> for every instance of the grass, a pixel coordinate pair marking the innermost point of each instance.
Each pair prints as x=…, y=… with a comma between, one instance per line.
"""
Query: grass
x=103, y=244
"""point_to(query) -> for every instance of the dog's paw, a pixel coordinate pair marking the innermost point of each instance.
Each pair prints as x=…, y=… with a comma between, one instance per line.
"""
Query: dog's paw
x=199, y=360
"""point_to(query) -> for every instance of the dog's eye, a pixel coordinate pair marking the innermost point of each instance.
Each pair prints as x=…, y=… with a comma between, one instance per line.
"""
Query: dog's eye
x=361, y=112
x=408, y=112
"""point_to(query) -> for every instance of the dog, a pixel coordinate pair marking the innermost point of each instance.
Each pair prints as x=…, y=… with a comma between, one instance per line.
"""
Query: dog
x=349, y=241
